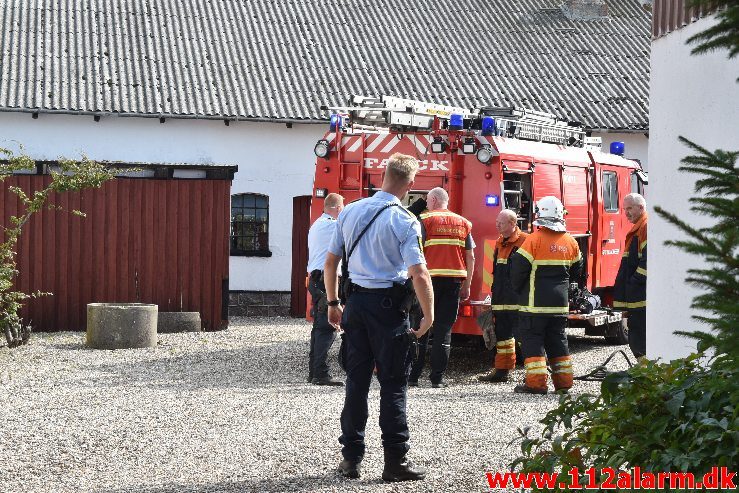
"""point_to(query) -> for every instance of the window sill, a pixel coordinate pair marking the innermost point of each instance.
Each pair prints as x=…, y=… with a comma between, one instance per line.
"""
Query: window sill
x=237, y=253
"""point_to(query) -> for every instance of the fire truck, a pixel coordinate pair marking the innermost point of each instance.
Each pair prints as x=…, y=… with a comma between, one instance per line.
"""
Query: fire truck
x=487, y=159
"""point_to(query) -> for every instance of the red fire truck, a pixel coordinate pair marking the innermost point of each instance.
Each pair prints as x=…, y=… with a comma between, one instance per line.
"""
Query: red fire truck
x=488, y=159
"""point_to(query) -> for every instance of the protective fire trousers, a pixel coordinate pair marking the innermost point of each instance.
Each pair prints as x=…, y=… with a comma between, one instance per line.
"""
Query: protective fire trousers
x=637, y=322
x=506, y=328
x=446, y=306
x=375, y=334
x=542, y=336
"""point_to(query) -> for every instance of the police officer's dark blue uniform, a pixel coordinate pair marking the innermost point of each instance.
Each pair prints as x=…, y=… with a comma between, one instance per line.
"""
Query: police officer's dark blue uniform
x=375, y=327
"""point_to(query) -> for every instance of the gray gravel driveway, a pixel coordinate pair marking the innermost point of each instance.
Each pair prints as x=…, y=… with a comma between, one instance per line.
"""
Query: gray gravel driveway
x=231, y=412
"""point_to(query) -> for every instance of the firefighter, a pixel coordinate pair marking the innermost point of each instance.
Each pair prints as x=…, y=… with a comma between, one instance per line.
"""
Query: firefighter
x=322, y=334
x=382, y=241
x=630, y=288
x=449, y=250
x=541, y=270
x=503, y=298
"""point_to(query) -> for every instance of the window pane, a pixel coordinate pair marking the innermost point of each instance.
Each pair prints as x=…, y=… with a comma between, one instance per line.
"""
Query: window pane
x=249, y=223
x=246, y=243
x=634, y=183
x=610, y=191
x=614, y=192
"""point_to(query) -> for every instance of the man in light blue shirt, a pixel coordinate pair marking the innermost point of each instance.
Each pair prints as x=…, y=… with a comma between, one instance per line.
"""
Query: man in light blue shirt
x=385, y=239
x=322, y=334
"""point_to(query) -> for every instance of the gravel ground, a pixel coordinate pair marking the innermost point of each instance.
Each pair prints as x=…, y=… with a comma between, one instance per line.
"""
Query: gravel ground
x=231, y=411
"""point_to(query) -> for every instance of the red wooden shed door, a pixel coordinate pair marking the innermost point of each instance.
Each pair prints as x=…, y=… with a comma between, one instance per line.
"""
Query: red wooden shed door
x=301, y=224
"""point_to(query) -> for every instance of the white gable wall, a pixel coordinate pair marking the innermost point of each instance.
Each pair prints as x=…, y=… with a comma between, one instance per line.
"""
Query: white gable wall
x=272, y=159
x=696, y=97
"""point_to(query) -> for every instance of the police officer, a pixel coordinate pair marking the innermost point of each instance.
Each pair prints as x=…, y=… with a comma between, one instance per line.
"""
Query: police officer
x=504, y=302
x=322, y=334
x=449, y=250
x=377, y=332
x=541, y=270
x=630, y=288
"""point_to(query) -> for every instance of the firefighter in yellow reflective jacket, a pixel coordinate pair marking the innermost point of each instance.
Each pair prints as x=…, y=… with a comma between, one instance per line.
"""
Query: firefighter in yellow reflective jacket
x=449, y=250
x=504, y=302
x=630, y=288
x=541, y=270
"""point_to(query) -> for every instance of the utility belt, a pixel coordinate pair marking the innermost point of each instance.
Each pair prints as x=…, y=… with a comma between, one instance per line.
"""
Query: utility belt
x=401, y=294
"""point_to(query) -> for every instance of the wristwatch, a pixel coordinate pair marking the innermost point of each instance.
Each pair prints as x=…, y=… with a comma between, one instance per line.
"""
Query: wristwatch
x=333, y=303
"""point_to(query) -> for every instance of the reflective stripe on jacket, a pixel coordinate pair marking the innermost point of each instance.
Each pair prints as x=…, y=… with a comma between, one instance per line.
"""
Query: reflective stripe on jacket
x=503, y=297
x=541, y=270
x=444, y=245
x=630, y=288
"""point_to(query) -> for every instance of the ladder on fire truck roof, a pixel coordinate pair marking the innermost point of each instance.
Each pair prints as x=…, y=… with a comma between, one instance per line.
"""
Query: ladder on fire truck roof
x=388, y=112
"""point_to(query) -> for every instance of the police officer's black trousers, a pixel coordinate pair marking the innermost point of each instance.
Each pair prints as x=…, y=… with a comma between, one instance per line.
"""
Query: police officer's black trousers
x=540, y=334
x=322, y=335
x=375, y=335
x=446, y=306
x=637, y=322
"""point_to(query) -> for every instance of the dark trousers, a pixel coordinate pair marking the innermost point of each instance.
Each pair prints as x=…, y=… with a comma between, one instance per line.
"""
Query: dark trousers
x=637, y=322
x=543, y=334
x=446, y=306
x=322, y=335
x=506, y=325
x=375, y=335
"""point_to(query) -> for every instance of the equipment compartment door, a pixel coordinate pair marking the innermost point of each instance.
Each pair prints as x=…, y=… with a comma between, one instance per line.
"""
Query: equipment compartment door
x=575, y=199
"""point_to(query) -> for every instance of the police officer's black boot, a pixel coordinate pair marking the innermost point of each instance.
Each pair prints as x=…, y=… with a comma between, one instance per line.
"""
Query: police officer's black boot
x=402, y=470
x=349, y=468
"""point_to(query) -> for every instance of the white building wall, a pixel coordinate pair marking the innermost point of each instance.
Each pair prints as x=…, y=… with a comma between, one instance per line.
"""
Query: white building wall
x=696, y=97
x=272, y=159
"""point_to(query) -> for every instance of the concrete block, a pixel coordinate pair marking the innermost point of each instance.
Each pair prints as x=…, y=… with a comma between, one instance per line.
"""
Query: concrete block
x=121, y=325
x=170, y=322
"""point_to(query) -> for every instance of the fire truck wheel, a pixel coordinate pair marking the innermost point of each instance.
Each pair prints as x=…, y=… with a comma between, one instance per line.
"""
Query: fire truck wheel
x=618, y=333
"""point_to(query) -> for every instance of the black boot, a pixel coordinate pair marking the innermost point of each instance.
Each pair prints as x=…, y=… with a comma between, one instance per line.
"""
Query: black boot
x=349, y=468
x=495, y=377
x=402, y=470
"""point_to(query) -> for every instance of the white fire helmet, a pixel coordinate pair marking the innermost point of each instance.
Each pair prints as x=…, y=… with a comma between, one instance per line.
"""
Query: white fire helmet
x=550, y=214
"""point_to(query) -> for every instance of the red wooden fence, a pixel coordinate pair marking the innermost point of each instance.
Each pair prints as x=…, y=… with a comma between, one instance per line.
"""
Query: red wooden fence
x=145, y=240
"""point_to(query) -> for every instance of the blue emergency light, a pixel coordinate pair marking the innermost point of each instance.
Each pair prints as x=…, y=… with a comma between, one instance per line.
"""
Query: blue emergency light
x=456, y=122
x=618, y=148
x=488, y=125
x=492, y=200
x=335, y=122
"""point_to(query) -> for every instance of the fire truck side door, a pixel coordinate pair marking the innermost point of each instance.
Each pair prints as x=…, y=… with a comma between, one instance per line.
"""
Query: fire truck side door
x=614, y=184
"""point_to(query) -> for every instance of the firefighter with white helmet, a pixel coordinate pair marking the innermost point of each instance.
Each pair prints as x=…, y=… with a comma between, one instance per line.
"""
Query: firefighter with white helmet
x=541, y=270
